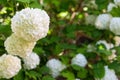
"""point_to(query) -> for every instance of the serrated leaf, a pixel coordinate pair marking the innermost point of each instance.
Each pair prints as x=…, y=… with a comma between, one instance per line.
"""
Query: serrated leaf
x=44, y=70
x=47, y=78
x=99, y=70
x=69, y=75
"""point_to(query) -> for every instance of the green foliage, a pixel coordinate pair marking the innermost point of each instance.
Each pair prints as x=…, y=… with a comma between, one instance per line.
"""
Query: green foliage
x=99, y=70
x=68, y=35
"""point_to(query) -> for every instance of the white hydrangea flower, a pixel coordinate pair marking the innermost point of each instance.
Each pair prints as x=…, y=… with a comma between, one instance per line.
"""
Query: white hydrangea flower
x=31, y=61
x=115, y=25
x=18, y=46
x=109, y=74
x=30, y=24
x=9, y=66
x=108, y=47
x=55, y=66
x=103, y=21
x=117, y=2
x=90, y=19
x=77, y=79
x=117, y=40
x=110, y=6
x=79, y=60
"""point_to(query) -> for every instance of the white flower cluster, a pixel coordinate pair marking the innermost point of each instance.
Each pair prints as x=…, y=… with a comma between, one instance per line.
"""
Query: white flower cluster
x=30, y=24
x=79, y=60
x=108, y=46
x=110, y=6
x=17, y=46
x=9, y=66
x=31, y=61
x=102, y=21
x=115, y=25
x=117, y=2
x=77, y=79
x=109, y=74
x=117, y=40
x=55, y=66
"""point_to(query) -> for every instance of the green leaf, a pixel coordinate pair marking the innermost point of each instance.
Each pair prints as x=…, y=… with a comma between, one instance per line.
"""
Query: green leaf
x=47, y=78
x=5, y=30
x=69, y=75
x=44, y=70
x=19, y=76
x=99, y=70
x=115, y=65
x=24, y=1
x=82, y=74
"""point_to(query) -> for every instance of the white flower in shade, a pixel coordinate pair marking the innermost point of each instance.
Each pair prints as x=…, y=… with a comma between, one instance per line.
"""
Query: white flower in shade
x=117, y=2
x=31, y=61
x=30, y=24
x=109, y=74
x=115, y=25
x=18, y=46
x=79, y=60
x=110, y=6
x=55, y=66
x=9, y=66
x=117, y=40
x=103, y=21
x=90, y=19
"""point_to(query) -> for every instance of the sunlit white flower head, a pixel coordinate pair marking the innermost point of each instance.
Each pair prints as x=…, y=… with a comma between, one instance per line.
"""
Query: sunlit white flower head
x=77, y=79
x=79, y=60
x=9, y=66
x=109, y=74
x=107, y=45
x=117, y=2
x=30, y=24
x=55, y=66
x=103, y=21
x=117, y=40
x=90, y=19
x=17, y=46
x=31, y=61
x=110, y=6
x=115, y=25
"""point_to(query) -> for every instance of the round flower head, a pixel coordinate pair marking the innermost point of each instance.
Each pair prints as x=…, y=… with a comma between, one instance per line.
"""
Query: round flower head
x=115, y=25
x=102, y=21
x=109, y=74
x=31, y=61
x=117, y=2
x=30, y=24
x=110, y=6
x=117, y=40
x=79, y=60
x=90, y=19
x=9, y=66
x=55, y=66
x=18, y=46
x=107, y=45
